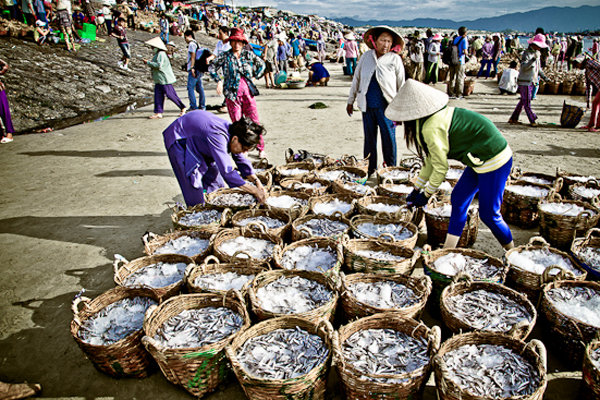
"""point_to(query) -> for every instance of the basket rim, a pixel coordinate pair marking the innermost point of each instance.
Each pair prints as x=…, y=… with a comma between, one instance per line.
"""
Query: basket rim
x=430, y=256
x=569, y=282
x=563, y=254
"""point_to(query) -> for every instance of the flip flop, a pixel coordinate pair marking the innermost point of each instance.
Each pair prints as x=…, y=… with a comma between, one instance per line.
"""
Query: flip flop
x=585, y=127
x=182, y=113
x=6, y=140
x=593, y=130
x=155, y=116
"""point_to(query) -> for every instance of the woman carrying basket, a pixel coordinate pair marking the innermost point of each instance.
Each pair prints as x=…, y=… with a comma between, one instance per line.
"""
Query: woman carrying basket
x=440, y=133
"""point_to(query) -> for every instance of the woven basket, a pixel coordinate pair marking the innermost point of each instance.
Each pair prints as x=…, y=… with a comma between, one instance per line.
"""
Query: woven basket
x=579, y=89
x=361, y=173
x=264, y=165
x=568, y=181
x=519, y=209
x=215, y=267
x=266, y=179
x=591, y=184
x=354, y=386
x=197, y=370
x=541, y=89
x=339, y=188
x=121, y=272
x=385, y=189
x=333, y=272
x=295, y=185
x=412, y=174
x=228, y=234
x=561, y=230
x=411, y=162
x=363, y=203
x=305, y=233
x=591, y=239
x=357, y=263
x=241, y=215
x=440, y=281
x=210, y=198
x=533, y=352
x=309, y=386
x=531, y=284
x=279, y=174
x=153, y=242
x=125, y=358
x=321, y=160
x=213, y=227
x=567, y=87
x=437, y=227
x=591, y=373
x=464, y=284
x=518, y=175
x=355, y=309
x=292, y=212
x=568, y=335
x=328, y=198
x=324, y=312
x=552, y=87
x=383, y=218
x=351, y=161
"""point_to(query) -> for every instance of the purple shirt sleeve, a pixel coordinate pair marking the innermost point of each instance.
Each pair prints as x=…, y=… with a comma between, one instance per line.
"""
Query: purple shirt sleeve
x=217, y=145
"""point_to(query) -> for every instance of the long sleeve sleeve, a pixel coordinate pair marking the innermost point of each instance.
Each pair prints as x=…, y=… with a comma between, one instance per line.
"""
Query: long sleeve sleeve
x=434, y=171
x=215, y=66
x=355, y=82
x=259, y=66
x=218, y=149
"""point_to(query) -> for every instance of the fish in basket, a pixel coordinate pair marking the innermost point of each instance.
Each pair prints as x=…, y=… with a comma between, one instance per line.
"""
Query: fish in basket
x=288, y=202
x=570, y=179
x=586, y=251
x=371, y=205
x=316, y=255
x=532, y=177
x=308, y=184
x=520, y=201
x=320, y=226
x=378, y=257
x=295, y=170
x=385, y=227
x=235, y=199
x=257, y=247
x=194, y=244
x=437, y=219
x=330, y=204
x=397, y=174
x=273, y=223
x=205, y=217
x=348, y=174
x=586, y=192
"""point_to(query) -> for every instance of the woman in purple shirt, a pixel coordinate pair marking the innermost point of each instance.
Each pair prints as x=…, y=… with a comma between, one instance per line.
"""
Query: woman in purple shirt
x=487, y=59
x=201, y=147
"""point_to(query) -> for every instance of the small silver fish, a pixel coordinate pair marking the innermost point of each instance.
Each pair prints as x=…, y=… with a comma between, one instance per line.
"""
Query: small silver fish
x=200, y=218
x=234, y=200
x=292, y=295
x=323, y=227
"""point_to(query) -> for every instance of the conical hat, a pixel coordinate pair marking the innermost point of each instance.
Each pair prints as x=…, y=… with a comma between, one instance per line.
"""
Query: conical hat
x=397, y=38
x=157, y=42
x=415, y=100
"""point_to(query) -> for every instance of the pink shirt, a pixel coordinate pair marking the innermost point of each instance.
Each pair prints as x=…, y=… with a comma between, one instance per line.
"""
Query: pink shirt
x=351, y=49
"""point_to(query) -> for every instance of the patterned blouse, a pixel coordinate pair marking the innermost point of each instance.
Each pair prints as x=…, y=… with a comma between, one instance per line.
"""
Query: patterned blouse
x=233, y=68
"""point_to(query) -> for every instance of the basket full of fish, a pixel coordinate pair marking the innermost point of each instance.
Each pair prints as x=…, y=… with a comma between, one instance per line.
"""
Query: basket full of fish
x=287, y=202
x=590, y=389
x=386, y=228
x=244, y=243
x=532, y=177
x=367, y=294
x=520, y=202
x=295, y=170
x=396, y=190
x=350, y=188
x=320, y=160
x=486, y=365
x=437, y=219
x=213, y=277
x=351, y=161
x=330, y=204
x=304, y=294
x=572, y=309
x=570, y=179
x=201, y=217
x=234, y=199
x=193, y=243
x=536, y=263
x=273, y=223
x=562, y=220
x=378, y=257
x=320, y=226
x=308, y=184
x=266, y=179
x=586, y=191
x=162, y=273
x=485, y=306
x=586, y=251
x=397, y=174
x=263, y=167
x=371, y=205
x=443, y=265
x=317, y=255
x=109, y=331
x=187, y=335
x=385, y=356
x=347, y=174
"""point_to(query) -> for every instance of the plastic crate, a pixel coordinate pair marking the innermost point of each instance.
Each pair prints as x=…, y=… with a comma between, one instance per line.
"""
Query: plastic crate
x=89, y=28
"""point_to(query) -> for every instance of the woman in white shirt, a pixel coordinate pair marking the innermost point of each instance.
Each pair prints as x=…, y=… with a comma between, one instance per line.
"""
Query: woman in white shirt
x=378, y=77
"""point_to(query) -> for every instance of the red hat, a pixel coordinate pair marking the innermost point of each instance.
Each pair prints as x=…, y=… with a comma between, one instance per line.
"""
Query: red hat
x=236, y=34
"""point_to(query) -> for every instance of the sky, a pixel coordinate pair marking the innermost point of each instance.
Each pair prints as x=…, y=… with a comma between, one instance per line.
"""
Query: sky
x=411, y=9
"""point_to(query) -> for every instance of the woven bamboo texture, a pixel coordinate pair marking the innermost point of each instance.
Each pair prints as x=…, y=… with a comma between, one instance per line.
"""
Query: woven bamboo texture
x=568, y=180
x=360, y=172
x=285, y=218
x=519, y=209
x=329, y=198
x=280, y=170
x=310, y=386
x=365, y=201
x=351, y=161
x=533, y=352
x=353, y=308
x=384, y=173
x=357, y=263
x=530, y=283
x=333, y=272
x=125, y=358
x=265, y=165
x=591, y=184
x=121, y=272
x=591, y=239
x=354, y=386
x=569, y=335
x=591, y=374
x=296, y=185
x=211, y=198
x=411, y=162
x=384, y=219
x=339, y=188
x=297, y=210
x=305, y=233
x=518, y=175
x=324, y=312
x=440, y=281
x=228, y=234
x=213, y=227
x=457, y=325
x=561, y=230
x=321, y=160
x=197, y=370
x=437, y=227
x=153, y=242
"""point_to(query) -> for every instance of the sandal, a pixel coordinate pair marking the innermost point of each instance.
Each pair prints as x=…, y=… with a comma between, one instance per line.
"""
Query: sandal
x=155, y=116
x=593, y=130
x=6, y=140
x=182, y=113
x=512, y=121
x=585, y=127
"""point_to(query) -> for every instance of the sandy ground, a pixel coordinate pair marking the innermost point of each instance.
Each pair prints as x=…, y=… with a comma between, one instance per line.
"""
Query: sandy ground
x=74, y=197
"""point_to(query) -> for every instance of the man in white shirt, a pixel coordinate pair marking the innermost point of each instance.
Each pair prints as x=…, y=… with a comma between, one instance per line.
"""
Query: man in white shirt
x=508, y=81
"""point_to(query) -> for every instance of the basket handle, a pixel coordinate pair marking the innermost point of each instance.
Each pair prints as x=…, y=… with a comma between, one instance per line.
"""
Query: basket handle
x=539, y=240
x=338, y=357
x=75, y=307
x=426, y=252
x=118, y=260
x=553, y=196
x=558, y=184
x=234, y=257
x=257, y=225
x=387, y=181
x=522, y=325
x=434, y=339
x=425, y=280
x=226, y=216
x=385, y=235
x=584, y=216
x=296, y=185
x=263, y=162
x=326, y=327
x=383, y=215
x=563, y=274
x=306, y=231
x=463, y=276
x=539, y=348
x=593, y=183
x=211, y=258
x=337, y=214
x=345, y=239
x=439, y=364
x=596, y=201
x=588, y=236
x=189, y=270
x=149, y=312
x=236, y=294
x=148, y=236
x=516, y=172
x=149, y=342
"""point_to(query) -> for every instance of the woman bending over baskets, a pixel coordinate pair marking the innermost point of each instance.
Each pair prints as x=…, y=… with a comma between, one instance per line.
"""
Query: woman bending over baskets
x=440, y=133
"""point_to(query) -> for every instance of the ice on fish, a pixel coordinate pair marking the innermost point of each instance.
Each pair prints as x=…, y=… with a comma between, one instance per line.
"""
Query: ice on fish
x=537, y=261
x=538, y=180
x=582, y=303
x=198, y=327
x=282, y=354
x=256, y=248
x=566, y=209
x=338, y=174
x=396, y=230
x=491, y=371
x=285, y=201
x=490, y=311
x=384, y=352
x=396, y=174
x=357, y=187
x=309, y=258
x=454, y=173
x=526, y=190
x=590, y=256
x=587, y=193
x=389, y=208
x=292, y=295
x=400, y=188
x=222, y=281
x=234, y=200
x=156, y=275
x=331, y=207
x=323, y=227
x=293, y=171
x=301, y=185
x=581, y=179
x=384, y=294
x=452, y=264
x=115, y=321
x=271, y=223
x=184, y=245
x=200, y=218
x=379, y=255
x=443, y=211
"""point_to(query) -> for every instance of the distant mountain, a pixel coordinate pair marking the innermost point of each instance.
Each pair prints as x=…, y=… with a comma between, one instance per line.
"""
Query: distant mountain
x=560, y=19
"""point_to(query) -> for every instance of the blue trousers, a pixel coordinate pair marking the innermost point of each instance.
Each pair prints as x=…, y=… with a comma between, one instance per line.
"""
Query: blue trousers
x=485, y=64
x=164, y=36
x=351, y=63
x=373, y=118
x=491, y=189
x=195, y=83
